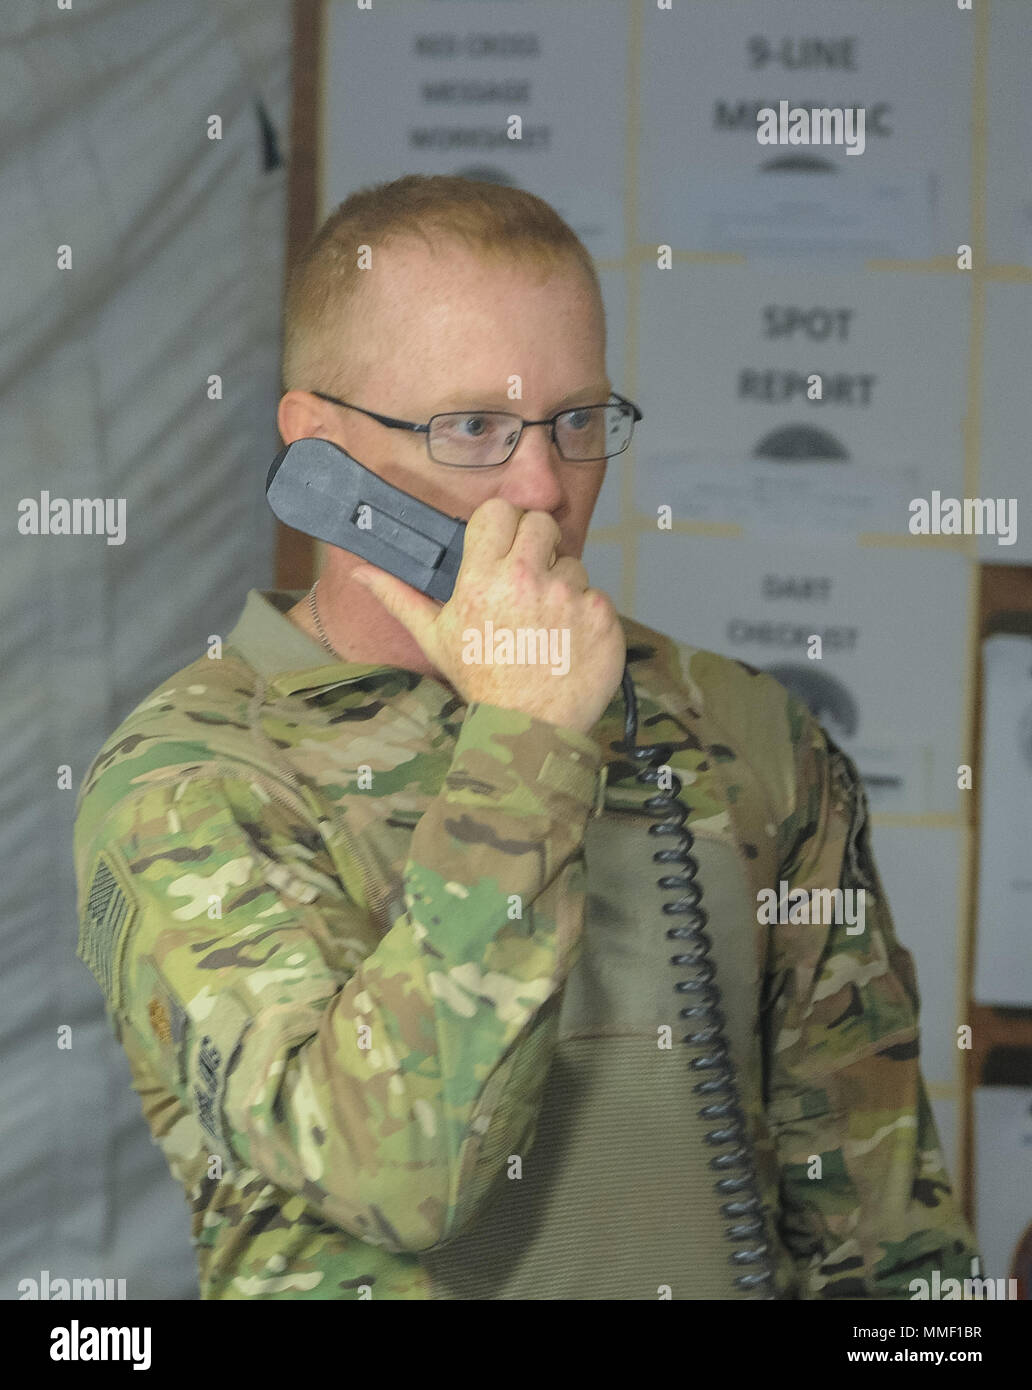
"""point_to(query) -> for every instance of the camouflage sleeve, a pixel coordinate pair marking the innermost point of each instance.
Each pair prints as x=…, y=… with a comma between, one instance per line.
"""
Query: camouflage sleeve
x=866, y=1201
x=382, y=1077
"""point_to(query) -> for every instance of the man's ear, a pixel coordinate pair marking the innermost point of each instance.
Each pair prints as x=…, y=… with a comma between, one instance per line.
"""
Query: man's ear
x=299, y=416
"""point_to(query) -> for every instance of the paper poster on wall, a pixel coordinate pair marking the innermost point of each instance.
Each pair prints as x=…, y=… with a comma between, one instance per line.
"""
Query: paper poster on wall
x=892, y=625
x=764, y=497
x=614, y=298
x=894, y=183
x=458, y=73
x=1003, y=939
x=1008, y=179
x=794, y=217
x=1005, y=468
x=805, y=381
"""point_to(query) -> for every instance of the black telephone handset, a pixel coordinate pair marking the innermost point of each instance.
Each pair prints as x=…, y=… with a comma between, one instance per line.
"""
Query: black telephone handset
x=317, y=488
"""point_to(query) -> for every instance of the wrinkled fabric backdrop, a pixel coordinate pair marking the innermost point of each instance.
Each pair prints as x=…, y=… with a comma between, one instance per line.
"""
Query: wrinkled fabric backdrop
x=178, y=254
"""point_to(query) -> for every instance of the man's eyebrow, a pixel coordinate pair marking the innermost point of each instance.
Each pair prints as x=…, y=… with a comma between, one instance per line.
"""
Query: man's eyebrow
x=590, y=395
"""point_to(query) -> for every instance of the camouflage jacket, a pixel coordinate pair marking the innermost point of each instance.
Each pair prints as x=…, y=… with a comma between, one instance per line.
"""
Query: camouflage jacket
x=349, y=930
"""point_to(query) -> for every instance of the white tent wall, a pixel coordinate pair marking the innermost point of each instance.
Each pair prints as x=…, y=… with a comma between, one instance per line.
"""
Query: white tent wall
x=177, y=256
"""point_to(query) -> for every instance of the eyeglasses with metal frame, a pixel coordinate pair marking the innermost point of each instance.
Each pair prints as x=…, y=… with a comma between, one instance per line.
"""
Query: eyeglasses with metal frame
x=603, y=430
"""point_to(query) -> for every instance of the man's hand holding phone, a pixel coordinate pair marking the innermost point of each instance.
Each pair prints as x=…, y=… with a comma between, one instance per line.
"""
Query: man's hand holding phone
x=510, y=575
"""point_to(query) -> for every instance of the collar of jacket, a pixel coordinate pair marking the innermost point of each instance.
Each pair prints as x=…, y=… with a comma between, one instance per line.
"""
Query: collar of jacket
x=292, y=662
x=287, y=657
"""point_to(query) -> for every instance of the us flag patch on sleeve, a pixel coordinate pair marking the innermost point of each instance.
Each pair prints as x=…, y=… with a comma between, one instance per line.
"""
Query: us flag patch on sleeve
x=106, y=917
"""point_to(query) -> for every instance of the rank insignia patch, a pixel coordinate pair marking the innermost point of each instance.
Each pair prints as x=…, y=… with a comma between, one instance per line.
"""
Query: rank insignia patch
x=159, y=1020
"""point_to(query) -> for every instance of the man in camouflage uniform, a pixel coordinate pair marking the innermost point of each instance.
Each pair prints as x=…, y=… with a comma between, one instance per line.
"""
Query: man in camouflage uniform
x=381, y=931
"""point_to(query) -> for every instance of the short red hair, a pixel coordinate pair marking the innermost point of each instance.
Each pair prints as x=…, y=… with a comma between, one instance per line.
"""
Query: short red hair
x=494, y=220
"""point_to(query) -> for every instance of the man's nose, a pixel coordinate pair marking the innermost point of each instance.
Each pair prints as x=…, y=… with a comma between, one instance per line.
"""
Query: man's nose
x=530, y=477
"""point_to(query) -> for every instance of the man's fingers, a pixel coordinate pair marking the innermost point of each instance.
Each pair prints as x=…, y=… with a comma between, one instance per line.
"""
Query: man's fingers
x=536, y=539
x=490, y=530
